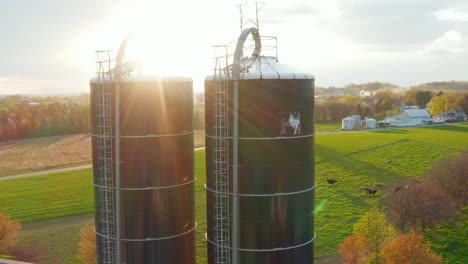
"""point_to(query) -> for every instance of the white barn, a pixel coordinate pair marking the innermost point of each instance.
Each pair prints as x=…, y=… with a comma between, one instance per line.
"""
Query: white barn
x=409, y=117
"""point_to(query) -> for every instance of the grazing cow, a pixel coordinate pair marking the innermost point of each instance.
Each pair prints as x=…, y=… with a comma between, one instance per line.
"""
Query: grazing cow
x=371, y=191
x=397, y=189
x=331, y=181
x=388, y=161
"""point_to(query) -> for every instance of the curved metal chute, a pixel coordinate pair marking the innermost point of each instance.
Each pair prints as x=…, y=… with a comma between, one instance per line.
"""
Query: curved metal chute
x=240, y=46
x=120, y=57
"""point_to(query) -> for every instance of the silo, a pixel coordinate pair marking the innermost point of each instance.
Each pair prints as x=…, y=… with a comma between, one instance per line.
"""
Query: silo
x=270, y=151
x=371, y=123
x=347, y=123
x=142, y=143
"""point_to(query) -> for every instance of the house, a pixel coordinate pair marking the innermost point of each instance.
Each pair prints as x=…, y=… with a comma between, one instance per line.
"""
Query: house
x=409, y=116
x=450, y=116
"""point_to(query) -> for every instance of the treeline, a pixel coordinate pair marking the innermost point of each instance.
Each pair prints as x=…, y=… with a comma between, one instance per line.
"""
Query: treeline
x=443, y=86
x=333, y=109
x=386, y=103
x=23, y=117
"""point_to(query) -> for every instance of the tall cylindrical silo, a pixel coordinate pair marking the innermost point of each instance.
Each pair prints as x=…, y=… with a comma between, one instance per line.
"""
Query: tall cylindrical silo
x=154, y=139
x=275, y=157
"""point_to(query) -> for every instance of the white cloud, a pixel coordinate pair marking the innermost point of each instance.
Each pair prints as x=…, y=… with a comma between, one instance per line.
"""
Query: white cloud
x=452, y=42
x=453, y=14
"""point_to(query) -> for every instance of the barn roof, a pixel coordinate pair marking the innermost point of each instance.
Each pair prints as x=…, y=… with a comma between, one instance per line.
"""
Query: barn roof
x=417, y=113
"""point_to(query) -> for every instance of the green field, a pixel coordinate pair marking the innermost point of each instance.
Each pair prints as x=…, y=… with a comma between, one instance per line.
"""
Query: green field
x=356, y=160
x=328, y=127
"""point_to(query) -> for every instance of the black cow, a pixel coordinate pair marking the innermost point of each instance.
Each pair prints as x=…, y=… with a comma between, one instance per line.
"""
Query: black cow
x=371, y=191
x=397, y=189
x=331, y=181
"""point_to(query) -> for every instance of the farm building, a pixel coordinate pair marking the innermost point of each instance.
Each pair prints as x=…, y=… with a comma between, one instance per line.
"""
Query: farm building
x=450, y=116
x=409, y=116
x=356, y=122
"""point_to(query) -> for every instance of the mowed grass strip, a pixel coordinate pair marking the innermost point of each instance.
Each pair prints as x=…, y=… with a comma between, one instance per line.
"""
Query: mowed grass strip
x=48, y=196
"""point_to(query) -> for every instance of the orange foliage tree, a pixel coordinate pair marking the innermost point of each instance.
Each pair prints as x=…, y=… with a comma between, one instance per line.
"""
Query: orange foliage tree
x=87, y=245
x=410, y=249
x=9, y=230
x=353, y=249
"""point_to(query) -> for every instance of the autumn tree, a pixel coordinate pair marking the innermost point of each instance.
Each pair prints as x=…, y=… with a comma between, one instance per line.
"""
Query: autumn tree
x=353, y=249
x=417, y=97
x=462, y=101
x=9, y=231
x=87, y=245
x=441, y=104
x=410, y=249
x=452, y=176
x=401, y=207
x=375, y=230
x=430, y=204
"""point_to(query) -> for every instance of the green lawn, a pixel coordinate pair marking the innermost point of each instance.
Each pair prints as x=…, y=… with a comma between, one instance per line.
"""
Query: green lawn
x=356, y=160
x=450, y=239
x=328, y=127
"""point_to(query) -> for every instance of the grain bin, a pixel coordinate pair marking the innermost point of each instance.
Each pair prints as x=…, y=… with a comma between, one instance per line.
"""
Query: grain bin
x=371, y=123
x=268, y=146
x=142, y=143
x=347, y=123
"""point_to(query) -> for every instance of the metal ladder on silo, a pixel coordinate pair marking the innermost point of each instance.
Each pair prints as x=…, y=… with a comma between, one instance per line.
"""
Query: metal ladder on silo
x=104, y=161
x=222, y=235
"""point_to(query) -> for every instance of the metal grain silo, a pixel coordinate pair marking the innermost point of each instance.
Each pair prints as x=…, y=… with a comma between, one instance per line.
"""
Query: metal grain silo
x=260, y=183
x=142, y=143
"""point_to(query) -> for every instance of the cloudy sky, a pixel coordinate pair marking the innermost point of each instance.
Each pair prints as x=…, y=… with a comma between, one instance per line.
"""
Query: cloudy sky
x=48, y=46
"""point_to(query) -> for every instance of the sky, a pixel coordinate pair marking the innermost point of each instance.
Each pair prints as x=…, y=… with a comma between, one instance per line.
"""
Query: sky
x=48, y=46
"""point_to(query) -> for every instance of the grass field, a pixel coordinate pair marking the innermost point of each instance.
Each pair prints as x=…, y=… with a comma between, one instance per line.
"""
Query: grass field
x=328, y=127
x=356, y=160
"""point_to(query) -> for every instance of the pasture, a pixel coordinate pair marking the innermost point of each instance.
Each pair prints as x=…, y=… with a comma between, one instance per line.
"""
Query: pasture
x=356, y=160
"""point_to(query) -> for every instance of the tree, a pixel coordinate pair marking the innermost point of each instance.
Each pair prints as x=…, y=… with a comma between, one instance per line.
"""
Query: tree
x=452, y=176
x=374, y=228
x=441, y=104
x=418, y=97
x=87, y=245
x=401, y=205
x=9, y=230
x=353, y=249
x=462, y=101
x=423, y=98
x=430, y=204
x=410, y=249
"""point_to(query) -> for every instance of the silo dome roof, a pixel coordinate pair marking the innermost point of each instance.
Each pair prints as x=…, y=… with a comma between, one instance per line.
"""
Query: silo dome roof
x=262, y=67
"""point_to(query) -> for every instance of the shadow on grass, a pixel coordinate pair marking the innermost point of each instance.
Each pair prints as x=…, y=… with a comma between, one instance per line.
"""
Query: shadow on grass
x=391, y=131
x=453, y=128
x=372, y=172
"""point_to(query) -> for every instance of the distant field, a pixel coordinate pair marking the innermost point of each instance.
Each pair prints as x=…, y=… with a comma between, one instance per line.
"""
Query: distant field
x=356, y=160
x=328, y=127
x=36, y=154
